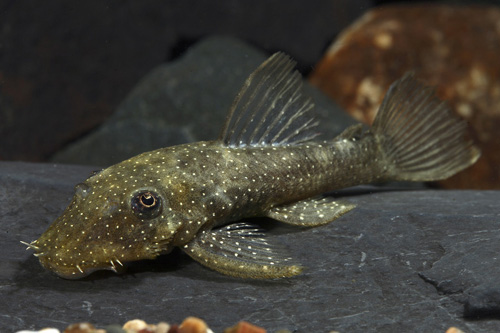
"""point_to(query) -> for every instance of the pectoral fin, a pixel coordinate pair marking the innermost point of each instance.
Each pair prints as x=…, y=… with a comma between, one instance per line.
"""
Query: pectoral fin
x=311, y=212
x=241, y=250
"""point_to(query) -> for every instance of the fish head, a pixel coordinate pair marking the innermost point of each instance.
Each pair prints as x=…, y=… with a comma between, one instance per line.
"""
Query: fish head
x=114, y=217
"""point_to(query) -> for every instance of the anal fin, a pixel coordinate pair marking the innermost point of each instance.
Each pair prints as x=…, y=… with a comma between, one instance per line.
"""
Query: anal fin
x=241, y=250
x=311, y=212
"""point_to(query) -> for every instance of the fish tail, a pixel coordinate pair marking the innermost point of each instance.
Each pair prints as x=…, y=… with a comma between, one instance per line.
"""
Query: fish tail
x=420, y=138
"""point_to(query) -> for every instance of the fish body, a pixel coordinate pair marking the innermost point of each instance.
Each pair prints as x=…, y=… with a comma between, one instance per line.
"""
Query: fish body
x=266, y=162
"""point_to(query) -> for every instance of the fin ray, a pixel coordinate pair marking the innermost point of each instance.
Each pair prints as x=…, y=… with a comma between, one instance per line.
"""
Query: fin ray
x=271, y=108
x=311, y=212
x=419, y=135
x=241, y=250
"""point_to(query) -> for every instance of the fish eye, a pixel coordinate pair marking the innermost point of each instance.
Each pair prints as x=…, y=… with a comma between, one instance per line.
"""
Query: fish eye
x=147, y=200
x=146, y=204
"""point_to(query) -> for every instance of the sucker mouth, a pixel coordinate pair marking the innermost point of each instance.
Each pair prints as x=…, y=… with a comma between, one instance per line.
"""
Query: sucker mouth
x=76, y=271
x=115, y=265
x=79, y=271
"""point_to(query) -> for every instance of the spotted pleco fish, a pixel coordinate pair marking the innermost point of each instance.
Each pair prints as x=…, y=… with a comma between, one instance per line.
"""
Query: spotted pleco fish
x=267, y=162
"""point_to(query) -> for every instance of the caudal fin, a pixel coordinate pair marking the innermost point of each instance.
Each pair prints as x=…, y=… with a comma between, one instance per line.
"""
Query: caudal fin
x=419, y=135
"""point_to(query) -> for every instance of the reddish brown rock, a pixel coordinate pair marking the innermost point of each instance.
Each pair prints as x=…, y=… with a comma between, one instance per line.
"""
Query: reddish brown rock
x=193, y=325
x=453, y=48
x=80, y=328
x=245, y=327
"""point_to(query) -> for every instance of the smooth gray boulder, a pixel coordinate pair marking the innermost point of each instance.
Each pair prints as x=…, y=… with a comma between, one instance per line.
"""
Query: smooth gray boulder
x=184, y=101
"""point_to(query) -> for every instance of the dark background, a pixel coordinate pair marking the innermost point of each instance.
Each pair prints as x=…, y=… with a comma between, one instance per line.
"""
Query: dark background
x=66, y=65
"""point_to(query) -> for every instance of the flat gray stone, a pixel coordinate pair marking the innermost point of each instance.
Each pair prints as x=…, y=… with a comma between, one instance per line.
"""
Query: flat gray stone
x=483, y=301
x=363, y=270
x=470, y=266
x=184, y=101
x=460, y=268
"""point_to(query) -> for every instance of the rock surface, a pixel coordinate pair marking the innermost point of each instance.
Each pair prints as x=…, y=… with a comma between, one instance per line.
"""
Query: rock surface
x=368, y=271
x=184, y=101
x=452, y=47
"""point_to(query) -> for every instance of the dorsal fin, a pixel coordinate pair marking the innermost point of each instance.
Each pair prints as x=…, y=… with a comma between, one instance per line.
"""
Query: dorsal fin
x=270, y=109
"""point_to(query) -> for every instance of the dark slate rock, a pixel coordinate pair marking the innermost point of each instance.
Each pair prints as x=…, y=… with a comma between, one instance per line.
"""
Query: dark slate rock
x=186, y=100
x=465, y=256
x=483, y=302
x=362, y=270
x=469, y=268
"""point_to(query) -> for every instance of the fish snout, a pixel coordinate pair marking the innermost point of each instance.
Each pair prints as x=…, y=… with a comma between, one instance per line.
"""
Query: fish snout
x=61, y=268
x=73, y=255
x=74, y=265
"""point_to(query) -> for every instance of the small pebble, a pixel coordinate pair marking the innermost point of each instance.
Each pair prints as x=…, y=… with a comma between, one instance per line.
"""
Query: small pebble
x=44, y=330
x=454, y=330
x=114, y=329
x=80, y=328
x=162, y=327
x=135, y=325
x=193, y=325
x=245, y=327
x=174, y=329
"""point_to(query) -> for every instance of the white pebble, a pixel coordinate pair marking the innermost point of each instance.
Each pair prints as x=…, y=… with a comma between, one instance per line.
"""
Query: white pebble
x=44, y=330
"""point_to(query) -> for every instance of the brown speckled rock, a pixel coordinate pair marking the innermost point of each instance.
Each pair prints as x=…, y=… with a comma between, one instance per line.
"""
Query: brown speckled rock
x=453, y=48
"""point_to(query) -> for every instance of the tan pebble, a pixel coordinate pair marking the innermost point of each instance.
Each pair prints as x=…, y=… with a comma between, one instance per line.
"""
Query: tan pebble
x=193, y=325
x=135, y=325
x=44, y=330
x=162, y=327
x=80, y=328
x=454, y=330
x=245, y=327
